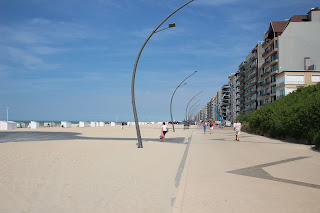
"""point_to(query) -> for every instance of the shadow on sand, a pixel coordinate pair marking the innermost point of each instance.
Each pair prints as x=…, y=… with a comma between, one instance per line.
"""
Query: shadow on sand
x=7, y=137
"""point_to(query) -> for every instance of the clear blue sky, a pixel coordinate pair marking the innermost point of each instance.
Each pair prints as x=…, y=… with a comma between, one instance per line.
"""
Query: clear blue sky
x=73, y=59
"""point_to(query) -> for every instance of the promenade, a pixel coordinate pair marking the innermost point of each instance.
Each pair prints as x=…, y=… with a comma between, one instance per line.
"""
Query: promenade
x=99, y=169
x=256, y=174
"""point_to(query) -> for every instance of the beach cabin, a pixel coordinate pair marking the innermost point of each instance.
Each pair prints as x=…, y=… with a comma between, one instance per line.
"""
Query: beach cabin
x=113, y=124
x=8, y=125
x=84, y=124
x=92, y=123
x=34, y=125
x=65, y=124
x=101, y=123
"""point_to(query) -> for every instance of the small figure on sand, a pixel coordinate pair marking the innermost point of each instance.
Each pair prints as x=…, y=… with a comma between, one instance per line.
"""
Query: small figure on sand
x=122, y=124
x=204, y=127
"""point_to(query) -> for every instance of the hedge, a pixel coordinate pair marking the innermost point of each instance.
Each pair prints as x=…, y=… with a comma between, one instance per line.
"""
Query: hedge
x=296, y=115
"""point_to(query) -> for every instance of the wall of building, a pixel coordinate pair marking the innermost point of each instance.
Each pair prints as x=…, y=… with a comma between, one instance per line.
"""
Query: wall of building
x=299, y=40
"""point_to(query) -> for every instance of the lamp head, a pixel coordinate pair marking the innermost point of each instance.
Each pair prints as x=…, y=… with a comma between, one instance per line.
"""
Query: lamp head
x=172, y=25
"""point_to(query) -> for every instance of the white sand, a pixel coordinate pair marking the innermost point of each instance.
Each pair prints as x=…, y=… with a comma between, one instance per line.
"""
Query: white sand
x=89, y=169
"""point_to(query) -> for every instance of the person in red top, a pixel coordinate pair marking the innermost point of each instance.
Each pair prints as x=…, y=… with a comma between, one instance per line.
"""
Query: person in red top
x=211, y=126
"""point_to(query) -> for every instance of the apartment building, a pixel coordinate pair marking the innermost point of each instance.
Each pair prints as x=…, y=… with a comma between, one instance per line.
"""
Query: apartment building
x=234, y=97
x=288, y=57
x=299, y=55
x=240, y=81
x=290, y=45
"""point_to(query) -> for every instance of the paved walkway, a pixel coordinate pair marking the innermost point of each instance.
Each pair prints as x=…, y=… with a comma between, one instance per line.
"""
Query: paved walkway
x=257, y=174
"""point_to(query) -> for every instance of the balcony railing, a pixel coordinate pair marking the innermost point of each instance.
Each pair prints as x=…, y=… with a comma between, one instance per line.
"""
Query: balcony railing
x=264, y=74
x=265, y=53
x=266, y=83
x=265, y=63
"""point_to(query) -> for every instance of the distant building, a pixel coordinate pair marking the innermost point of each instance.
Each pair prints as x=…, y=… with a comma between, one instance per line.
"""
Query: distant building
x=290, y=46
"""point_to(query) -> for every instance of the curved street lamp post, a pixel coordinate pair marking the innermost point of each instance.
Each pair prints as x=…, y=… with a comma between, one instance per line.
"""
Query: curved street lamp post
x=135, y=69
x=193, y=107
x=173, y=95
x=189, y=103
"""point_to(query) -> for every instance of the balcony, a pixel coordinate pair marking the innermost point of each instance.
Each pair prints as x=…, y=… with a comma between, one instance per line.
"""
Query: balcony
x=247, y=94
x=274, y=62
x=268, y=41
x=248, y=109
x=270, y=52
x=266, y=83
x=248, y=85
x=265, y=53
x=272, y=84
x=265, y=74
x=265, y=63
x=274, y=72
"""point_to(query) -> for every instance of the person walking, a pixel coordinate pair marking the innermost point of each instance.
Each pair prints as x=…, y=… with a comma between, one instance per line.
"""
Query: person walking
x=122, y=124
x=204, y=127
x=164, y=131
x=211, y=127
x=237, y=128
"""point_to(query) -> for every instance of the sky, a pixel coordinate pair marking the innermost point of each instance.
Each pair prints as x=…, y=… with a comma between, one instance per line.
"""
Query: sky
x=73, y=59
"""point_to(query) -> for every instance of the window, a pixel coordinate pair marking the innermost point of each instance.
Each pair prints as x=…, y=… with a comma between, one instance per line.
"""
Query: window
x=315, y=78
x=294, y=79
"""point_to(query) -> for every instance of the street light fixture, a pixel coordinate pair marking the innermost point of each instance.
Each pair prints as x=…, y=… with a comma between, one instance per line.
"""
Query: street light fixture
x=173, y=95
x=135, y=69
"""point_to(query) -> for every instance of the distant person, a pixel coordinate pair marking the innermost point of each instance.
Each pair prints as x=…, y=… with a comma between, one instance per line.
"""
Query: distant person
x=237, y=128
x=204, y=127
x=164, y=131
x=122, y=124
x=211, y=126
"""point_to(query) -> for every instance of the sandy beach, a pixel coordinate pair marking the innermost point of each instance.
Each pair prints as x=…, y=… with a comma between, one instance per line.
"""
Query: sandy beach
x=92, y=169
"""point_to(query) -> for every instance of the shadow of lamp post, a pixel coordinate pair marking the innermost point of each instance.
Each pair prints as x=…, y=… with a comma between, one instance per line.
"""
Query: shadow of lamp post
x=135, y=69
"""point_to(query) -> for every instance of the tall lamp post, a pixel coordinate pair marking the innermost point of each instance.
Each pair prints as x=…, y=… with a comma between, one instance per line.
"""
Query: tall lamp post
x=7, y=112
x=193, y=106
x=189, y=103
x=135, y=69
x=173, y=95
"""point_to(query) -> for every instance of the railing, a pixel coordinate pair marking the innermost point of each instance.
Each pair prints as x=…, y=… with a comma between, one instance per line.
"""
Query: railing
x=280, y=84
x=264, y=74
x=265, y=63
x=265, y=53
x=248, y=85
x=248, y=109
x=266, y=42
x=266, y=83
